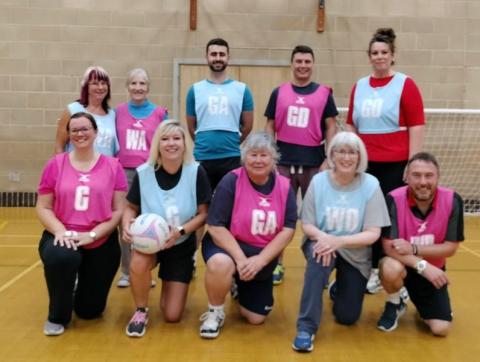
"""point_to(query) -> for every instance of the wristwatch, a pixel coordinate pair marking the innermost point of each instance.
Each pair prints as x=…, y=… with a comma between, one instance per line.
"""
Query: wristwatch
x=93, y=235
x=181, y=230
x=421, y=266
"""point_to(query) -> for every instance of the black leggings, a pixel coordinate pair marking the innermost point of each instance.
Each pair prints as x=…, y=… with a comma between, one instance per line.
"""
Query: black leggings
x=390, y=176
x=95, y=269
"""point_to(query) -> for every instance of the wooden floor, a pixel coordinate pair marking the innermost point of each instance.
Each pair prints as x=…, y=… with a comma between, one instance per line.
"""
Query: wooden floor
x=23, y=309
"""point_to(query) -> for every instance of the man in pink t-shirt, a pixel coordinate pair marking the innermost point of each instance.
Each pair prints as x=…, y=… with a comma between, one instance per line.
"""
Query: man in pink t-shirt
x=427, y=226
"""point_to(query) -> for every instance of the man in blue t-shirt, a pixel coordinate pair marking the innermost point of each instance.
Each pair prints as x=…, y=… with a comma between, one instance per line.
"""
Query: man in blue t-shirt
x=219, y=115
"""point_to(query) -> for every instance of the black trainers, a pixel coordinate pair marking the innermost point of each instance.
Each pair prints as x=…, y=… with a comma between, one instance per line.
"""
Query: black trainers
x=392, y=313
x=234, y=290
x=278, y=274
x=137, y=325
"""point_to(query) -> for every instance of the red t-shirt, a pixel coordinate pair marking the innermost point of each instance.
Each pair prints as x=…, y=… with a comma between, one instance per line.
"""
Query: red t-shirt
x=393, y=147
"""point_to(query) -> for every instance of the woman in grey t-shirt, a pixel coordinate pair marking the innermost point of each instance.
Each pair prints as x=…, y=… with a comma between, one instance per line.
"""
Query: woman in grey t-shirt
x=343, y=213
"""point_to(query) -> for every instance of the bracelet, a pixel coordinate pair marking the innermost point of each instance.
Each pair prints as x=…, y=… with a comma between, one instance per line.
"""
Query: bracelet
x=414, y=249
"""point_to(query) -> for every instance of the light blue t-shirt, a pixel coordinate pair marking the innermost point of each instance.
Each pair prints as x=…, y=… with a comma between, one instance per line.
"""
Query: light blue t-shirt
x=218, y=109
x=346, y=210
x=106, y=142
x=143, y=110
x=339, y=211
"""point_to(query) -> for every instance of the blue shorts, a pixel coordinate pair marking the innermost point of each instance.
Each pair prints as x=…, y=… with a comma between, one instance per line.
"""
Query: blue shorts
x=255, y=295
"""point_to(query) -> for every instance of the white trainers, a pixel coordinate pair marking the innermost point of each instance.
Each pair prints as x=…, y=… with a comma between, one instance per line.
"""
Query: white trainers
x=374, y=285
x=194, y=271
x=53, y=329
x=404, y=295
x=124, y=281
x=212, y=320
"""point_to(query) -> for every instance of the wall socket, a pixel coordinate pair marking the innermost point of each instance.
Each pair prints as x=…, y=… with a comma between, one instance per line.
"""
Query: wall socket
x=14, y=176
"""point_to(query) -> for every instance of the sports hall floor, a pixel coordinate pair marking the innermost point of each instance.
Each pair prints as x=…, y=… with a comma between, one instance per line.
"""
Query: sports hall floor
x=23, y=309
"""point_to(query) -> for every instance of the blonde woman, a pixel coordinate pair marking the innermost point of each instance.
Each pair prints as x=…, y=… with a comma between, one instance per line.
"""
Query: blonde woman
x=174, y=187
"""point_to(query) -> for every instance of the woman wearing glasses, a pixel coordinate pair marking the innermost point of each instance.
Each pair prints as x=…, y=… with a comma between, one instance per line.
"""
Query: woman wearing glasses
x=94, y=97
x=342, y=215
x=386, y=110
x=80, y=202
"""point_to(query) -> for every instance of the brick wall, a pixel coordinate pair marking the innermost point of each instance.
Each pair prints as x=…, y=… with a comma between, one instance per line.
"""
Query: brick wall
x=45, y=46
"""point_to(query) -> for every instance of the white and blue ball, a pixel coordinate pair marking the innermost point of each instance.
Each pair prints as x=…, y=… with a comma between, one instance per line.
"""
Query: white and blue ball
x=149, y=233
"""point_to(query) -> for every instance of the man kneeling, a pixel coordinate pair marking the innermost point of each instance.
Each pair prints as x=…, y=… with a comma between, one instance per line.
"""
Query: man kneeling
x=427, y=226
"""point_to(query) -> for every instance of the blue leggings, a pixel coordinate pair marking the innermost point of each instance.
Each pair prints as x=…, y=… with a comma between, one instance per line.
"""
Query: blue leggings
x=350, y=291
x=95, y=269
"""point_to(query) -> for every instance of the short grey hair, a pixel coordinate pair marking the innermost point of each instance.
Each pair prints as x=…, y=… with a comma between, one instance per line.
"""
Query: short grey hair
x=259, y=141
x=138, y=72
x=351, y=140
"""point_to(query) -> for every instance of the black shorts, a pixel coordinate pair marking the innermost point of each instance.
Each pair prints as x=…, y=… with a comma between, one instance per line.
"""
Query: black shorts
x=176, y=263
x=431, y=303
x=255, y=295
x=218, y=168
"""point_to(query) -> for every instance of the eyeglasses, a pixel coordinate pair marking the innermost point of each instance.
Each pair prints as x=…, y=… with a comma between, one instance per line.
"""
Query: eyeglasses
x=77, y=131
x=345, y=153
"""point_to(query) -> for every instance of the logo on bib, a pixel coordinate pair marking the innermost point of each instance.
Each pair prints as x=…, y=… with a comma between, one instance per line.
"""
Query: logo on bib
x=300, y=100
x=84, y=177
x=422, y=227
x=264, y=202
x=138, y=123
